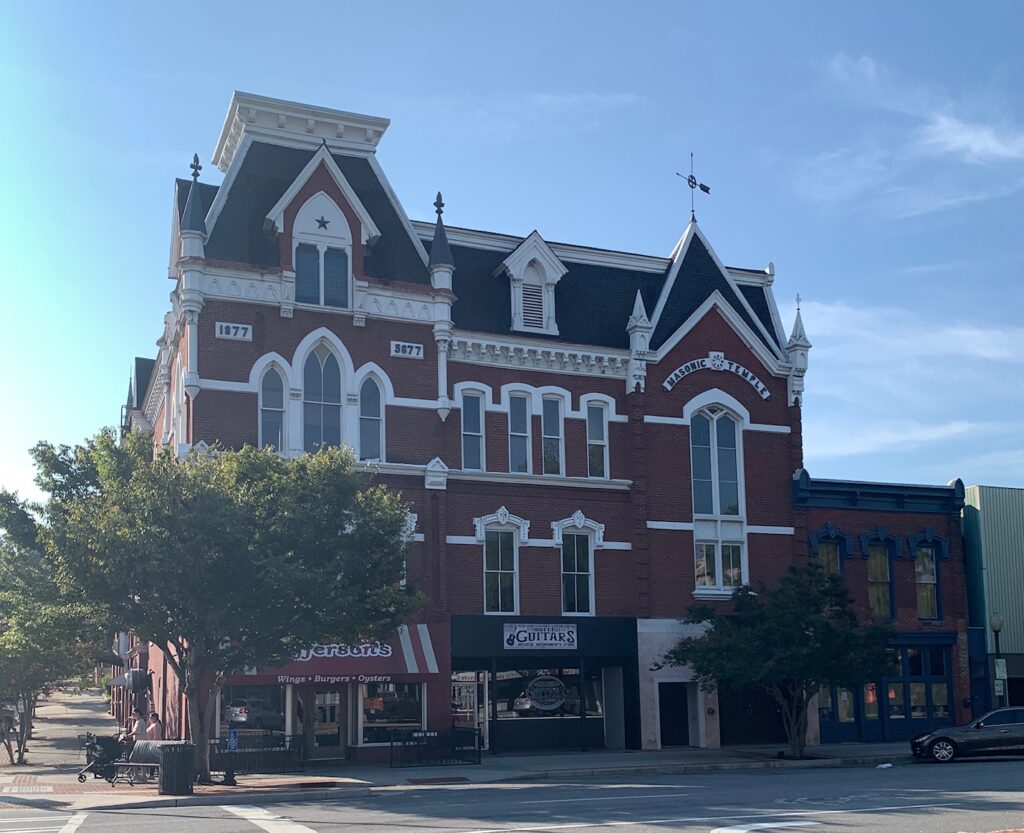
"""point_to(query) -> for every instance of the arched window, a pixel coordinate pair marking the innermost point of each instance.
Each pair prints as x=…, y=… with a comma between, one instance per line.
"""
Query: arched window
x=714, y=463
x=272, y=410
x=321, y=400
x=371, y=422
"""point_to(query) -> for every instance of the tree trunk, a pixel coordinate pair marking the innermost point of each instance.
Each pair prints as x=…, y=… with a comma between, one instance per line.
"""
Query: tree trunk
x=7, y=742
x=198, y=718
x=23, y=729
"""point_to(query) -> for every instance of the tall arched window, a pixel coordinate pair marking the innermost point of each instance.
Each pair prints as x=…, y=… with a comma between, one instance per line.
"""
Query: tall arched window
x=714, y=463
x=371, y=422
x=272, y=410
x=321, y=400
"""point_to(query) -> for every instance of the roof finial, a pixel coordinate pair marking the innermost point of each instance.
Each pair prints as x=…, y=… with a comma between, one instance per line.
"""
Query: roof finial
x=440, y=251
x=439, y=204
x=691, y=180
x=798, y=302
x=195, y=166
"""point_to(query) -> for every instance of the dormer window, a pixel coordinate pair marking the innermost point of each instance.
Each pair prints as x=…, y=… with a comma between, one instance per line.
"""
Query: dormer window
x=533, y=271
x=322, y=254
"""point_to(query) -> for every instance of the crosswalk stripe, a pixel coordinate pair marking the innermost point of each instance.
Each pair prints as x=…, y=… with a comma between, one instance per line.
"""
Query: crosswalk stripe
x=74, y=823
x=265, y=820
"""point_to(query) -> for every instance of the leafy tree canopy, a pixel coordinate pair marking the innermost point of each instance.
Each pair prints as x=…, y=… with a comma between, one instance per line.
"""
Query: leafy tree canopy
x=224, y=560
x=790, y=640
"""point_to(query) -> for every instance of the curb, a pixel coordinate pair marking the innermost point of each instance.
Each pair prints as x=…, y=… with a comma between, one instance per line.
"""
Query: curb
x=686, y=769
x=232, y=798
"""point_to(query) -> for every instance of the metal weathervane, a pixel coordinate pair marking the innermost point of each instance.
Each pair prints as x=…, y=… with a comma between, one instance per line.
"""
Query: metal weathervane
x=691, y=180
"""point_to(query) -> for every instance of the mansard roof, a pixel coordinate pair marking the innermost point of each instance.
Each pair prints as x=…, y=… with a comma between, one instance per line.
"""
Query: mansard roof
x=263, y=177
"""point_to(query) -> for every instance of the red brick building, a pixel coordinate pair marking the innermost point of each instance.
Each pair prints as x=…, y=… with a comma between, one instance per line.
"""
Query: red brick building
x=589, y=441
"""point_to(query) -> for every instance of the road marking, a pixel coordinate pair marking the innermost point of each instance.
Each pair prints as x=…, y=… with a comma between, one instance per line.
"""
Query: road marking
x=736, y=817
x=32, y=829
x=604, y=798
x=747, y=828
x=267, y=821
x=74, y=823
x=29, y=818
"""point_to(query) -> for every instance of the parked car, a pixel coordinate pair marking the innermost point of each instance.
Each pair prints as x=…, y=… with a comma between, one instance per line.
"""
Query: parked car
x=1000, y=732
x=254, y=714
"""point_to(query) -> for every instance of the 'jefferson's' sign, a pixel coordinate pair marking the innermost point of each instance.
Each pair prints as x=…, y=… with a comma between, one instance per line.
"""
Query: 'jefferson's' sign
x=716, y=361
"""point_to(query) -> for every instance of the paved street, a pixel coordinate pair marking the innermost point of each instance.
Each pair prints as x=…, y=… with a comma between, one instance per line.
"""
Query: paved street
x=980, y=796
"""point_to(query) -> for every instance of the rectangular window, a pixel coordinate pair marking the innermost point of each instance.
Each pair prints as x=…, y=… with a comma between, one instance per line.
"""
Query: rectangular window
x=879, y=597
x=918, y=704
x=518, y=434
x=551, y=423
x=871, y=702
x=576, y=574
x=940, y=700
x=732, y=565
x=499, y=572
x=704, y=567
x=700, y=461
x=828, y=557
x=472, y=431
x=597, y=442
x=307, y=274
x=272, y=428
x=728, y=468
x=924, y=570
x=335, y=278
x=388, y=706
x=845, y=712
x=897, y=706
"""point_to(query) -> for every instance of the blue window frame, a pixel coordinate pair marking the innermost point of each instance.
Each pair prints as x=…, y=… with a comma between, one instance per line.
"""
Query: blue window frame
x=927, y=551
x=880, y=548
x=830, y=546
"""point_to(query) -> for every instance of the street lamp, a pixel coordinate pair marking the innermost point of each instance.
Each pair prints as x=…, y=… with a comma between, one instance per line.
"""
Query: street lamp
x=996, y=622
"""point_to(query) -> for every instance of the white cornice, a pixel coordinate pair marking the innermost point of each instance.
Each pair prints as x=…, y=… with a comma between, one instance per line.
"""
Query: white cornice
x=289, y=122
x=547, y=356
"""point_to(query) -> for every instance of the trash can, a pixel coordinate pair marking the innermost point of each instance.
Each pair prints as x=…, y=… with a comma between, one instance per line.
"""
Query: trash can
x=176, y=758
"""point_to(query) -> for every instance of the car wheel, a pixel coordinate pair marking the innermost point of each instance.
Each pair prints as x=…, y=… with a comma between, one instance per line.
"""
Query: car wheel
x=942, y=750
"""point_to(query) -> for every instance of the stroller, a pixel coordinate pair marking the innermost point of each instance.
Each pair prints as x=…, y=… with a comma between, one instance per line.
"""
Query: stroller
x=106, y=758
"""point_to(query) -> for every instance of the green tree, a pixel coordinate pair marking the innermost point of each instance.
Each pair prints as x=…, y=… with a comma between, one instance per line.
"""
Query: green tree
x=790, y=640
x=45, y=637
x=227, y=559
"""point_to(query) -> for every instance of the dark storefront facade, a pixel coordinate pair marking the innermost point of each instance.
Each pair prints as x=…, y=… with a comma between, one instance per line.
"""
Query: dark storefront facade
x=536, y=683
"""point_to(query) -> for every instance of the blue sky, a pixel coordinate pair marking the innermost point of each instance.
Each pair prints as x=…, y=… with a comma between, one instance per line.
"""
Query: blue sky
x=873, y=151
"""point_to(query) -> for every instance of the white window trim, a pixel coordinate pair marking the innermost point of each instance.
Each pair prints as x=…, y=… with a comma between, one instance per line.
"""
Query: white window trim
x=383, y=422
x=589, y=535
x=533, y=249
x=273, y=368
x=502, y=521
x=483, y=427
x=321, y=248
x=529, y=431
x=604, y=418
x=719, y=588
x=715, y=482
x=561, y=436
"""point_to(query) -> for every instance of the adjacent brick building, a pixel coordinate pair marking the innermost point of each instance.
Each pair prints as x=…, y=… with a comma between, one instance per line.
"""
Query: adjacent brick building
x=589, y=441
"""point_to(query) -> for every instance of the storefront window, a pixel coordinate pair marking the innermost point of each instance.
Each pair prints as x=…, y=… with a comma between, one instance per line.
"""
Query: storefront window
x=844, y=706
x=940, y=700
x=918, y=704
x=253, y=708
x=897, y=705
x=547, y=693
x=388, y=706
x=871, y=702
x=825, y=703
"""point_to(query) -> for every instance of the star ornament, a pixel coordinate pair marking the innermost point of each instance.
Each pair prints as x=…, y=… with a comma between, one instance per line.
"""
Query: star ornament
x=322, y=222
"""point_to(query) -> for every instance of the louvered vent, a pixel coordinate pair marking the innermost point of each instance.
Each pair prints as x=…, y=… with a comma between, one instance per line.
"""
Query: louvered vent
x=533, y=306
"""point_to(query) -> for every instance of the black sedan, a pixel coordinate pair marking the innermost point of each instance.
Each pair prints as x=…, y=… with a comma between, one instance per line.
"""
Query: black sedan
x=1000, y=732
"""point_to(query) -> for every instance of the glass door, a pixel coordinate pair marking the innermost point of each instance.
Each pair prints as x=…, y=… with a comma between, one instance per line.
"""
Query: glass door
x=469, y=702
x=330, y=728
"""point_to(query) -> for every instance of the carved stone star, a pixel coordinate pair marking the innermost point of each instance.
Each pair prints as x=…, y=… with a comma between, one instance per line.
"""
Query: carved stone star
x=322, y=222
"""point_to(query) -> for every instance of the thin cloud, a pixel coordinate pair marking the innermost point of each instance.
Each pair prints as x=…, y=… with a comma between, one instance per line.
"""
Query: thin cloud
x=826, y=440
x=975, y=143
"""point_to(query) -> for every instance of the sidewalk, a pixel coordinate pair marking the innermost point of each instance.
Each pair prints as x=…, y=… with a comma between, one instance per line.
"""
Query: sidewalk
x=49, y=781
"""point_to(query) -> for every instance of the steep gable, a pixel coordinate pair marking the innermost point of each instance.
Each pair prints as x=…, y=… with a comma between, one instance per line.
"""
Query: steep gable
x=698, y=276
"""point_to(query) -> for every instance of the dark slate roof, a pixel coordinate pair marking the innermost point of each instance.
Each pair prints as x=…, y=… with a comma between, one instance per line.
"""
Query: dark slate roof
x=757, y=297
x=592, y=303
x=264, y=176
x=142, y=370
x=206, y=194
x=193, y=218
x=698, y=277
x=440, y=251
x=885, y=497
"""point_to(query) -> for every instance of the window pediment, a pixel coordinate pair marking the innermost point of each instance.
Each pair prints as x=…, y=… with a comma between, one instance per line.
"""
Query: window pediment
x=502, y=519
x=533, y=270
x=577, y=523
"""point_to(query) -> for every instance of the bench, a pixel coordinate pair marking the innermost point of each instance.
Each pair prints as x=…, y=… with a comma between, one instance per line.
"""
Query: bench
x=145, y=754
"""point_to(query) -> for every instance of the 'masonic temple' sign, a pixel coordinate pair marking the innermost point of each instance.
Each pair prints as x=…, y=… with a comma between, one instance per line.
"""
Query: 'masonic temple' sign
x=716, y=361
